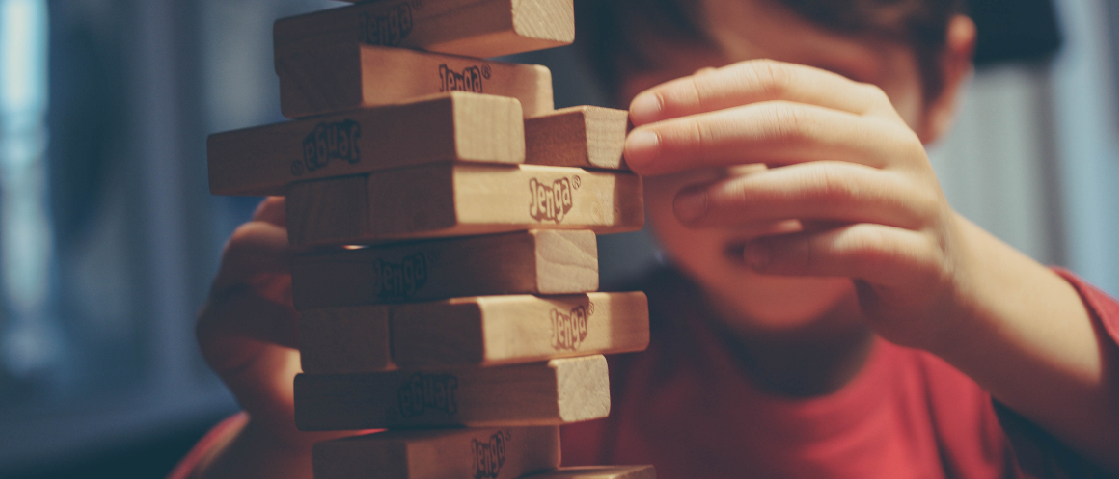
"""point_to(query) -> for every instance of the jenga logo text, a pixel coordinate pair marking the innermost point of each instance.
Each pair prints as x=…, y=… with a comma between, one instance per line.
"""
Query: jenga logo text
x=569, y=329
x=489, y=456
x=551, y=202
x=329, y=141
x=427, y=391
x=399, y=280
x=390, y=27
x=469, y=80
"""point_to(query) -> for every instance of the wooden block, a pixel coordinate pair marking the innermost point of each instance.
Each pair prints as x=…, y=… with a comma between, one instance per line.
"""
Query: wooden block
x=455, y=126
x=473, y=28
x=345, y=340
x=459, y=200
x=519, y=328
x=440, y=454
x=598, y=472
x=349, y=76
x=540, y=394
x=525, y=262
x=580, y=136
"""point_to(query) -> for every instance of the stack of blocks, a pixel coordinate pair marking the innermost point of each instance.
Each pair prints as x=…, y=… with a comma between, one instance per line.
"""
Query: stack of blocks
x=465, y=320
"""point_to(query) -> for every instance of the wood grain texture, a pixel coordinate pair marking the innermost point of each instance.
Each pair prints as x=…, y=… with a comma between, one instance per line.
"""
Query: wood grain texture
x=491, y=330
x=457, y=200
x=346, y=340
x=598, y=472
x=540, y=394
x=580, y=136
x=506, y=453
x=346, y=77
x=473, y=28
x=524, y=262
x=455, y=126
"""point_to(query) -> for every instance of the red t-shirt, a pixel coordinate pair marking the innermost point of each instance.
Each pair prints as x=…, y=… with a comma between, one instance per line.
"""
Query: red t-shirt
x=685, y=407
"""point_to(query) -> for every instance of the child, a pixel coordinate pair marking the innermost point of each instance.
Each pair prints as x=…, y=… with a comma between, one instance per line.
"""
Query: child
x=829, y=316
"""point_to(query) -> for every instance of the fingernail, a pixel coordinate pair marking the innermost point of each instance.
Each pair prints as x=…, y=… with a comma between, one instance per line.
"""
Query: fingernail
x=641, y=147
x=690, y=205
x=646, y=107
x=758, y=255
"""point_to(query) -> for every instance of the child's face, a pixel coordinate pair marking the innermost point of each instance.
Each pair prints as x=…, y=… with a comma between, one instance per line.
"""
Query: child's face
x=747, y=30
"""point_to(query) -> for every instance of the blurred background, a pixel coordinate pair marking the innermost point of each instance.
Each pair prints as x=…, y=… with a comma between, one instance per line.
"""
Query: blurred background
x=109, y=237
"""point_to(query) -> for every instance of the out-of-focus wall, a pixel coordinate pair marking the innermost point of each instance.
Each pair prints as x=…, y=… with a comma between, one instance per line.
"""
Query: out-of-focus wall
x=1034, y=155
x=996, y=166
x=1087, y=132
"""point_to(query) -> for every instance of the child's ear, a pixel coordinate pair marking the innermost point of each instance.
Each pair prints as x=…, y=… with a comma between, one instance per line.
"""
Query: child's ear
x=956, y=68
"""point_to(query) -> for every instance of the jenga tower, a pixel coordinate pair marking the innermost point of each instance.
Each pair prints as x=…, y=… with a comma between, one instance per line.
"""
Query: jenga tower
x=450, y=213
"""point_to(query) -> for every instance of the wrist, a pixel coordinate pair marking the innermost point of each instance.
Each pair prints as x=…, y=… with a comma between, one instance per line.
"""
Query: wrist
x=946, y=321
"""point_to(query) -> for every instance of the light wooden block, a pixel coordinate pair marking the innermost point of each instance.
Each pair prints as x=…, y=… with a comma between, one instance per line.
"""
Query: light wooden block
x=541, y=394
x=455, y=126
x=346, y=340
x=473, y=28
x=350, y=76
x=489, y=453
x=598, y=472
x=537, y=261
x=580, y=136
x=492, y=330
x=459, y=200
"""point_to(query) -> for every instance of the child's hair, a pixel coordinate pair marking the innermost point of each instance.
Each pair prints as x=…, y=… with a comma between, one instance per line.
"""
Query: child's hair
x=609, y=29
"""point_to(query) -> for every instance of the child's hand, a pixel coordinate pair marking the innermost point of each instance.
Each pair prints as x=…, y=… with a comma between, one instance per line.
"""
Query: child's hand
x=857, y=175
x=248, y=334
x=846, y=159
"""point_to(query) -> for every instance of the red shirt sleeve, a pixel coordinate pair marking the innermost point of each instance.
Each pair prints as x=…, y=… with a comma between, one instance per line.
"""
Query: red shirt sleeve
x=189, y=465
x=1103, y=308
x=1039, y=454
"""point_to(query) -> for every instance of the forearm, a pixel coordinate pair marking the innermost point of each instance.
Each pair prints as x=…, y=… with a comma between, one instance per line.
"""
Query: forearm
x=1026, y=336
x=253, y=453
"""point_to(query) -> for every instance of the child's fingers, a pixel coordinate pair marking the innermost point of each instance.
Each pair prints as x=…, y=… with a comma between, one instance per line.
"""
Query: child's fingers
x=753, y=82
x=260, y=375
x=775, y=132
x=271, y=210
x=245, y=313
x=254, y=249
x=249, y=341
x=880, y=255
x=261, y=379
x=825, y=191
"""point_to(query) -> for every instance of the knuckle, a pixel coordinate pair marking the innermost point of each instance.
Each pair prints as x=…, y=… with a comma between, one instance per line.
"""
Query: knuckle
x=240, y=239
x=872, y=247
x=787, y=123
x=830, y=185
x=691, y=93
x=270, y=202
x=876, y=94
x=911, y=145
x=772, y=78
x=929, y=203
x=871, y=241
x=736, y=190
x=922, y=200
x=693, y=132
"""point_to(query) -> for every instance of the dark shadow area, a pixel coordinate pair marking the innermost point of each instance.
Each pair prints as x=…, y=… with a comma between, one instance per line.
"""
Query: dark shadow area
x=1014, y=31
x=152, y=458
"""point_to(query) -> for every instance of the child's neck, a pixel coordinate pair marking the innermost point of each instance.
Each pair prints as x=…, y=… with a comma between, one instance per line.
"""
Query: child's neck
x=816, y=359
